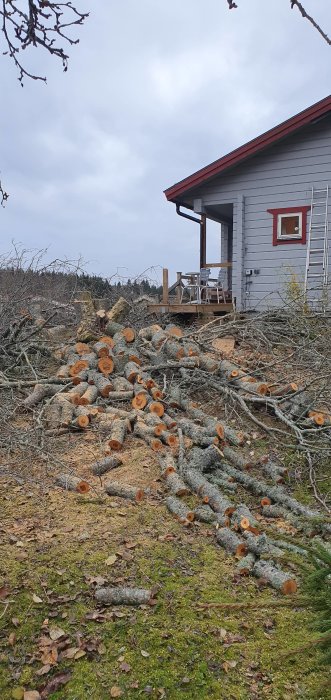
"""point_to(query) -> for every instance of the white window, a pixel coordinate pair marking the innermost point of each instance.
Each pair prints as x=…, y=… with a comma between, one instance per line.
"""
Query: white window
x=289, y=226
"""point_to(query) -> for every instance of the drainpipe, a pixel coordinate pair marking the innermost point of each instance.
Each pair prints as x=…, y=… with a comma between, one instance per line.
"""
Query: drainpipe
x=202, y=224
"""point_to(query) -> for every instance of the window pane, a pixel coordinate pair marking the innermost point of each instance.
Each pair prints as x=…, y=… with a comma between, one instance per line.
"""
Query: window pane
x=290, y=226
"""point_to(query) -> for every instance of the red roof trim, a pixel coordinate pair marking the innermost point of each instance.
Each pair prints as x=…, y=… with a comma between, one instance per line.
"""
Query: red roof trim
x=316, y=111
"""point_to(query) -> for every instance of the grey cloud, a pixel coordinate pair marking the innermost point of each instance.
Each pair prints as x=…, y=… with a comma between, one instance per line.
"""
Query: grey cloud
x=154, y=91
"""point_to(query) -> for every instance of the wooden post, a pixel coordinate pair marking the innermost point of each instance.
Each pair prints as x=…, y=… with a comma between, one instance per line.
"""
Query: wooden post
x=178, y=288
x=203, y=241
x=165, y=291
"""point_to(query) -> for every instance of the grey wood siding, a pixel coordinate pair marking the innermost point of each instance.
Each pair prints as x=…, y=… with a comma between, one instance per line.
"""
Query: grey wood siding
x=280, y=177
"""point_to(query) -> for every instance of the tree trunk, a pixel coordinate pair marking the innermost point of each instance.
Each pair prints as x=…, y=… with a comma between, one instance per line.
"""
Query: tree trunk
x=102, y=466
x=167, y=464
x=89, y=396
x=72, y=483
x=175, y=506
x=231, y=542
x=176, y=485
x=118, y=311
x=123, y=596
x=278, y=579
x=205, y=514
x=132, y=493
x=246, y=564
x=118, y=433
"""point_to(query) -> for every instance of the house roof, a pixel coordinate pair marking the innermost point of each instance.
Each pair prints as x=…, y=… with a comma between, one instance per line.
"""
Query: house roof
x=316, y=111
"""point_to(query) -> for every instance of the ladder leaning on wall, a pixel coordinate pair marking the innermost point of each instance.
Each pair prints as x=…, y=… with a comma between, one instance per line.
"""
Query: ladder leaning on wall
x=317, y=260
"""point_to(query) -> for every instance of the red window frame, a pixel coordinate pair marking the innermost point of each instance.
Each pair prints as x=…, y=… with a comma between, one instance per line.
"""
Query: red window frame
x=289, y=210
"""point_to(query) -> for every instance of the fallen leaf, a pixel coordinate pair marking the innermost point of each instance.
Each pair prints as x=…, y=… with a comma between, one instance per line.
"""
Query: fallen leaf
x=79, y=654
x=185, y=680
x=15, y=621
x=31, y=695
x=126, y=668
x=4, y=592
x=12, y=639
x=145, y=654
x=227, y=665
x=102, y=649
x=116, y=692
x=54, y=684
x=56, y=633
x=131, y=545
x=69, y=653
x=43, y=670
x=111, y=560
x=50, y=656
x=36, y=598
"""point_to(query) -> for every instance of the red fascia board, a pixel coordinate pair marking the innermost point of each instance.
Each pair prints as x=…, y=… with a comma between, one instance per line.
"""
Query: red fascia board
x=318, y=110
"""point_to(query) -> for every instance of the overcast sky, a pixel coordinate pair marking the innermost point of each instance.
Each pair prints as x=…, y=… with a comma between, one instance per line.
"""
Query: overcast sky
x=155, y=90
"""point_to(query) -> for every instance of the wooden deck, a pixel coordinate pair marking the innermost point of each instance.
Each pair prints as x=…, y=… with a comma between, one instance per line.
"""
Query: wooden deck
x=174, y=308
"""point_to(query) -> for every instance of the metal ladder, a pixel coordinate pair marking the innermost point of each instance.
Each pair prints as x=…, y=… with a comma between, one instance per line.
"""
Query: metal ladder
x=317, y=260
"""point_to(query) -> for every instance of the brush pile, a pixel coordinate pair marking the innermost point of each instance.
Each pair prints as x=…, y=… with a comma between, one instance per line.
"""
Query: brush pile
x=127, y=384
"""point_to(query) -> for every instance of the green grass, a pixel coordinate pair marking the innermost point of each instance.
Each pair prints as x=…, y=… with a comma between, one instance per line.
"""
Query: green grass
x=186, y=653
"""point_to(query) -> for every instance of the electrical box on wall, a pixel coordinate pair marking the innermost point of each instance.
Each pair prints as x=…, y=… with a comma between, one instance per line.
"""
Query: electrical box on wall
x=248, y=273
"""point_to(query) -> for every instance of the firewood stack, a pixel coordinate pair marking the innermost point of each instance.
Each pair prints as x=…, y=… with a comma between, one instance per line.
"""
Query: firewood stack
x=109, y=384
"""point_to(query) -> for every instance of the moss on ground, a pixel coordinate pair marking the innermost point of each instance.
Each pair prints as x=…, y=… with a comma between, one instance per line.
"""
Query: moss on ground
x=63, y=541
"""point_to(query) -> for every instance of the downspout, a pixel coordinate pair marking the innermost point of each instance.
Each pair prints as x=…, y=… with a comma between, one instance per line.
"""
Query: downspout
x=202, y=224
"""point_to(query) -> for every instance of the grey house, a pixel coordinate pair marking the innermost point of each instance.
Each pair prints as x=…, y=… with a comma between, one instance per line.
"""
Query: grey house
x=270, y=197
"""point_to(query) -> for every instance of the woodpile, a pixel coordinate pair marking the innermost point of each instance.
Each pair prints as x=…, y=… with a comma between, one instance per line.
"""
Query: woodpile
x=127, y=385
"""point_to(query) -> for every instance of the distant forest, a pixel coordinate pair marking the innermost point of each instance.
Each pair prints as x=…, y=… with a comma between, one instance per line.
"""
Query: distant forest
x=62, y=285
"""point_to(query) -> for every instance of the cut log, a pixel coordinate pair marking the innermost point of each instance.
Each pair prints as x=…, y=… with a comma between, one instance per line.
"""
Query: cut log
x=118, y=433
x=223, y=482
x=141, y=397
x=176, y=485
x=92, y=360
x=81, y=422
x=78, y=367
x=169, y=421
x=284, y=390
x=52, y=414
x=156, y=407
x=167, y=464
x=173, y=349
x=208, y=363
x=119, y=413
x=112, y=328
x=179, y=509
x=265, y=501
x=173, y=330
x=169, y=438
x=67, y=412
x=204, y=514
x=156, y=393
x=106, y=365
x=246, y=564
x=261, y=544
x=118, y=311
x=148, y=332
x=145, y=380
x=103, y=385
x=89, y=396
x=121, y=384
x=63, y=372
x=131, y=372
x=208, y=492
x=102, y=349
x=82, y=348
x=146, y=433
x=241, y=380
x=102, y=466
x=234, y=437
x=80, y=377
x=242, y=463
x=159, y=339
x=123, y=596
x=153, y=421
x=278, y=579
x=120, y=395
x=129, y=334
x=231, y=542
x=191, y=348
x=132, y=493
x=275, y=471
x=200, y=436
x=202, y=460
x=40, y=392
x=107, y=339
x=243, y=518
x=74, y=394
x=72, y=483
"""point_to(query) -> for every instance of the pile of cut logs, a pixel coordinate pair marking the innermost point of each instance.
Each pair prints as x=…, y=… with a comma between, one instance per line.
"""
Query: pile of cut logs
x=109, y=384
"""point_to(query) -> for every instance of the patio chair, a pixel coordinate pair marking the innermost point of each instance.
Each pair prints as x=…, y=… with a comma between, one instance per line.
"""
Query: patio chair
x=219, y=287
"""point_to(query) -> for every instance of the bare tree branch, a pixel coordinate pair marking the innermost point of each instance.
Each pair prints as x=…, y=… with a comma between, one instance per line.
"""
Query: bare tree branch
x=40, y=24
x=296, y=3
x=305, y=15
x=3, y=195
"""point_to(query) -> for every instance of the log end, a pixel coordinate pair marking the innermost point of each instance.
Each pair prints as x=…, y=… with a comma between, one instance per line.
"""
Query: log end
x=83, y=486
x=289, y=587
